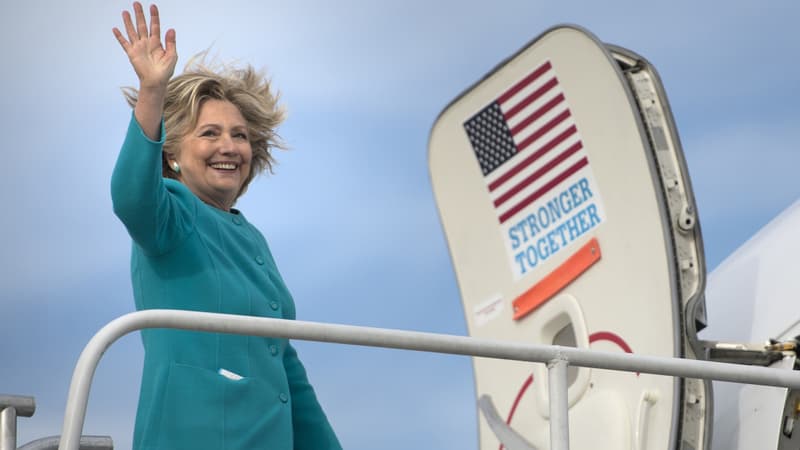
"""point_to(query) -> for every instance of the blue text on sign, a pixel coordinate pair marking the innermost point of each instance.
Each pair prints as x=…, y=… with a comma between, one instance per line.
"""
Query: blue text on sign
x=537, y=237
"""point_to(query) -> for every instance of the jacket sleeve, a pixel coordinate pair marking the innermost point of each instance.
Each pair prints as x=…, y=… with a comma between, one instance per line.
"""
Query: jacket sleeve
x=312, y=431
x=157, y=213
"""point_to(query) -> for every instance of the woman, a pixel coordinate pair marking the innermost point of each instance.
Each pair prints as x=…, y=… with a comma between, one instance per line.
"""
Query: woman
x=174, y=186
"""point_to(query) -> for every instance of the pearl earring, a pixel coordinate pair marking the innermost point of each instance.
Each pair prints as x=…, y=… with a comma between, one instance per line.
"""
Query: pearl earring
x=176, y=167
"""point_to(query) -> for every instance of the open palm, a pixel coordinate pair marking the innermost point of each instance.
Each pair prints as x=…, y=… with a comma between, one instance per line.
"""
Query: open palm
x=153, y=62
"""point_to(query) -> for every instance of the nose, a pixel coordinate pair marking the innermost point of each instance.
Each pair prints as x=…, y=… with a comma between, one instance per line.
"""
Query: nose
x=227, y=144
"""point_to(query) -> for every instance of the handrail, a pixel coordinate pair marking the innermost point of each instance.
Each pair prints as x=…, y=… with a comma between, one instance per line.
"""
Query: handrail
x=11, y=407
x=25, y=405
x=87, y=443
x=409, y=340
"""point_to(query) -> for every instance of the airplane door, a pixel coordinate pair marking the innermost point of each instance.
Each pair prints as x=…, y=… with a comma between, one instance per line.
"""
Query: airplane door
x=567, y=208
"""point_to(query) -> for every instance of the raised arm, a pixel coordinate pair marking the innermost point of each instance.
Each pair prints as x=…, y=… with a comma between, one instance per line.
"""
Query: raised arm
x=153, y=63
x=156, y=218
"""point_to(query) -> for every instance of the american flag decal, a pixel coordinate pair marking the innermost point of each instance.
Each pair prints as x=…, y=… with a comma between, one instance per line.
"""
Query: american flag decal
x=526, y=142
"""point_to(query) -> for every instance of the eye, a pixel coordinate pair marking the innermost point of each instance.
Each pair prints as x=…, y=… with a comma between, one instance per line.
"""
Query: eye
x=208, y=133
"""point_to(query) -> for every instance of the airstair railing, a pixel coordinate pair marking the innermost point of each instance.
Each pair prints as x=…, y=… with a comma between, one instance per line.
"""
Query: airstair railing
x=14, y=406
x=11, y=407
x=556, y=357
x=86, y=443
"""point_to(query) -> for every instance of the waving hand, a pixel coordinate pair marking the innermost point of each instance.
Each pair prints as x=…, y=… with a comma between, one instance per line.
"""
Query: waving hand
x=153, y=62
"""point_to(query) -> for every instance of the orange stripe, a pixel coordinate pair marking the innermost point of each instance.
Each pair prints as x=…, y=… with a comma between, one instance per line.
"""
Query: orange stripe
x=556, y=280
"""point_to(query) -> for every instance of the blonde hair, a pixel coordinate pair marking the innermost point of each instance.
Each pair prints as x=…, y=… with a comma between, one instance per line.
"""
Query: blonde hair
x=248, y=89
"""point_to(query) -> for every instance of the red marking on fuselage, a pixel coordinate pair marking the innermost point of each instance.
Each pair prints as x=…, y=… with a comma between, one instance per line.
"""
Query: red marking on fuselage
x=609, y=336
x=521, y=392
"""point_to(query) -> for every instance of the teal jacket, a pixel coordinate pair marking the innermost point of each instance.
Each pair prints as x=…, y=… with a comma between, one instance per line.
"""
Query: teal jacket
x=188, y=255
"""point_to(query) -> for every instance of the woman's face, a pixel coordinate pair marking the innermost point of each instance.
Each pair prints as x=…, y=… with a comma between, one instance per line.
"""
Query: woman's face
x=215, y=156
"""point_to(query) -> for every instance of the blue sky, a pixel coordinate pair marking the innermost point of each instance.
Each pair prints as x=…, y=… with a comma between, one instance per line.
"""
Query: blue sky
x=349, y=214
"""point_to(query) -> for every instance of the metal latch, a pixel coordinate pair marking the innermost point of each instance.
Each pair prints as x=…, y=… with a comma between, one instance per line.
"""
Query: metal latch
x=749, y=354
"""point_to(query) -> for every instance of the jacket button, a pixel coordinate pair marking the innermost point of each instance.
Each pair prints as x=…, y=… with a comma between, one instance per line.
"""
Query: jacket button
x=260, y=260
x=274, y=305
x=273, y=349
x=284, y=398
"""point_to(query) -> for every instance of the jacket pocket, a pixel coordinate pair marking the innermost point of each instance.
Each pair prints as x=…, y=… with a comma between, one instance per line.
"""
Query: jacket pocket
x=203, y=409
x=192, y=409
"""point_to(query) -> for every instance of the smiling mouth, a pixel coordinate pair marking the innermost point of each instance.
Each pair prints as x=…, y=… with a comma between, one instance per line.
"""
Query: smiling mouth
x=224, y=166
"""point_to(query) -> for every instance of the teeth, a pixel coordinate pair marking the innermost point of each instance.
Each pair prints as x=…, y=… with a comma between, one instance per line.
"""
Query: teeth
x=228, y=166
